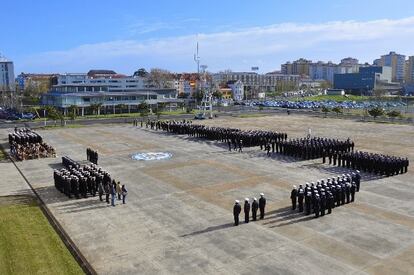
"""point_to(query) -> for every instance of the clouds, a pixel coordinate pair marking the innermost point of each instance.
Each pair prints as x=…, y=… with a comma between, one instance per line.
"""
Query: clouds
x=239, y=49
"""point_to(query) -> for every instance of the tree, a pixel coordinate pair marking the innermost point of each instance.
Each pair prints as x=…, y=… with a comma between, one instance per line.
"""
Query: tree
x=160, y=107
x=53, y=113
x=143, y=109
x=121, y=107
x=218, y=94
x=375, y=112
x=198, y=95
x=325, y=110
x=379, y=93
x=337, y=110
x=73, y=110
x=96, y=107
x=393, y=114
x=159, y=78
x=141, y=73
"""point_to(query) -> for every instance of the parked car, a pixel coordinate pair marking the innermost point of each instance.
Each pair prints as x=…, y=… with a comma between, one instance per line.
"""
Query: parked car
x=27, y=116
x=199, y=116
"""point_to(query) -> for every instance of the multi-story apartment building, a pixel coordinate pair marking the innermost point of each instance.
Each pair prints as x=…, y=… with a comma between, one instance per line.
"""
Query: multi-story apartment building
x=409, y=70
x=323, y=71
x=254, y=83
x=7, y=82
x=396, y=62
x=298, y=67
x=320, y=70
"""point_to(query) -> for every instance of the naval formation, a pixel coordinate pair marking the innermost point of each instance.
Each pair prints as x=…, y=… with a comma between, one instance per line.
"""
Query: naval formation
x=80, y=181
x=339, y=152
x=318, y=198
x=324, y=195
x=27, y=144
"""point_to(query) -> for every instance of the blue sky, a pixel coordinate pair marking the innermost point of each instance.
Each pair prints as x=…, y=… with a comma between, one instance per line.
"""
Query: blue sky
x=75, y=36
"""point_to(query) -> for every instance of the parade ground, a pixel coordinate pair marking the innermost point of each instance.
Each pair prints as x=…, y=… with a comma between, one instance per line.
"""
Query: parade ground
x=178, y=218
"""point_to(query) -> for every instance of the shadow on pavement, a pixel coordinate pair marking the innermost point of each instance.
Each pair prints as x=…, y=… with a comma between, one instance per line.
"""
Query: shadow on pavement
x=208, y=229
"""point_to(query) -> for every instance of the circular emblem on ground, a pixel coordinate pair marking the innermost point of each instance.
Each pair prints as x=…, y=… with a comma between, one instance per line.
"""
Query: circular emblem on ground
x=151, y=156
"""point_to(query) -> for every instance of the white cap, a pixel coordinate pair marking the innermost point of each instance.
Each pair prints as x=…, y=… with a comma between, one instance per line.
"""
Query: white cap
x=236, y=201
x=261, y=194
x=294, y=186
x=254, y=199
x=246, y=199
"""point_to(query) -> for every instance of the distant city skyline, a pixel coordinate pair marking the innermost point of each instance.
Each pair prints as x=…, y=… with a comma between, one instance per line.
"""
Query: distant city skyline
x=73, y=36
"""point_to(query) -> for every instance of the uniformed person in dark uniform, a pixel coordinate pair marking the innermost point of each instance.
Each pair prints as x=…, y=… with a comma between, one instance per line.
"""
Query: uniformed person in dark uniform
x=246, y=210
x=293, y=197
x=308, y=200
x=352, y=190
x=357, y=180
x=262, y=205
x=347, y=192
x=330, y=202
x=316, y=205
x=322, y=202
x=301, y=196
x=236, y=212
x=255, y=207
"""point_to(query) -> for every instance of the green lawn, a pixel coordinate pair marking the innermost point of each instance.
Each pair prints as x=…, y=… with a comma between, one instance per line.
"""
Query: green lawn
x=28, y=243
x=2, y=154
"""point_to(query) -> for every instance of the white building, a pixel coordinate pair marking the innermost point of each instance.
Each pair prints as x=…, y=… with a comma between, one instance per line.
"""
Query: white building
x=237, y=90
x=7, y=81
x=119, y=82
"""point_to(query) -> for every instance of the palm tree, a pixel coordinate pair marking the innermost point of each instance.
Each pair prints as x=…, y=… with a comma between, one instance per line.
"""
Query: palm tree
x=96, y=108
x=73, y=110
x=374, y=112
x=393, y=114
x=325, y=110
x=121, y=107
x=337, y=110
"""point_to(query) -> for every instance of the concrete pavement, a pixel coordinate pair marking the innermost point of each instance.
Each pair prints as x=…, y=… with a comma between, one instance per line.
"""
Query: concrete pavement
x=178, y=216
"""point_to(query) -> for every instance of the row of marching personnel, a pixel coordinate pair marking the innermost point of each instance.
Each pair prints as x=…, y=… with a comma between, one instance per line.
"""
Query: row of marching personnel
x=27, y=144
x=324, y=195
x=380, y=164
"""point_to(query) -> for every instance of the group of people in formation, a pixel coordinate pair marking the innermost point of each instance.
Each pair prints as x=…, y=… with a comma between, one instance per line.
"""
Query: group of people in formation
x=324, y=195
x=379, y=164
x=92, y=155
x=27, y=144
x=83, y=181
x=255, y=205
x=313, y=147
x=235, y=138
